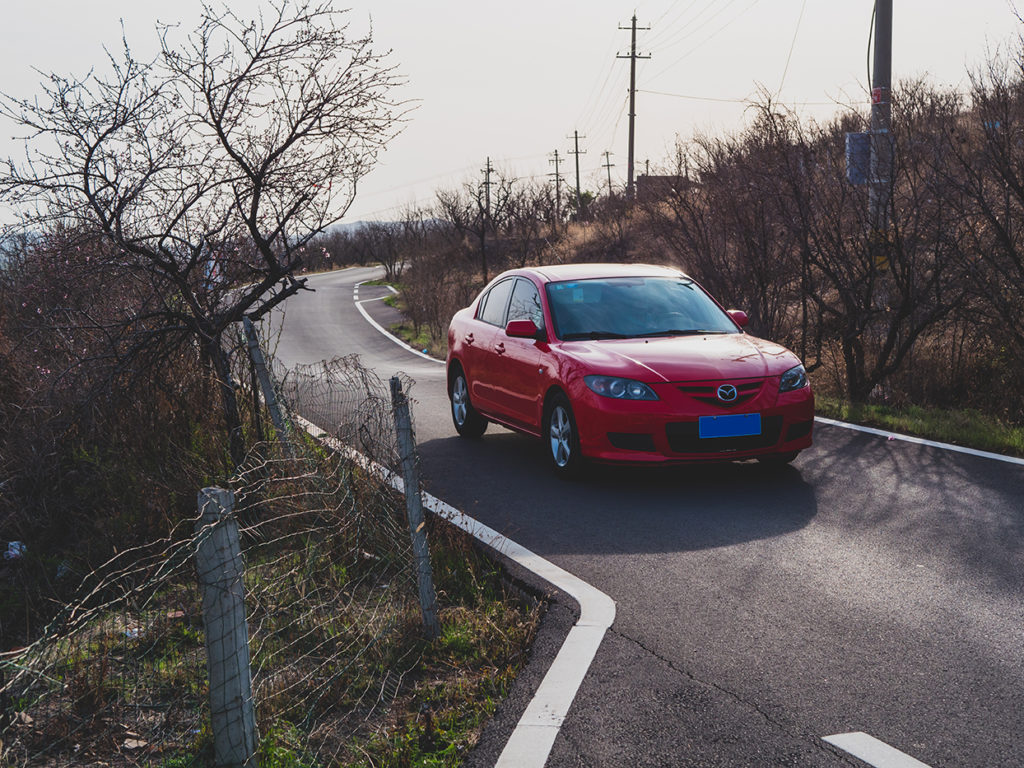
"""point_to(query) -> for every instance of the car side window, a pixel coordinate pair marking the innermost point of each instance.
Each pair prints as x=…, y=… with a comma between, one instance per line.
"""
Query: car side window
x=496, y=302
x=526, y=303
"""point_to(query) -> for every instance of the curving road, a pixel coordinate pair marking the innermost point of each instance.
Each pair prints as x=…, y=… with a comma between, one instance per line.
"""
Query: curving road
x=875, y=586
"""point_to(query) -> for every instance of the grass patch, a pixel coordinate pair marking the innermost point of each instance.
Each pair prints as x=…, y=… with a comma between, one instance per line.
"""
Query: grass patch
x=342, y=673
x=421, y=340
x=971, y=429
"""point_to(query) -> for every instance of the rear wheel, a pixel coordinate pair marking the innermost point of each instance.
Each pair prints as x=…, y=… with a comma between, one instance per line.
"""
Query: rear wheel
x=562, y=438
x=468, y=422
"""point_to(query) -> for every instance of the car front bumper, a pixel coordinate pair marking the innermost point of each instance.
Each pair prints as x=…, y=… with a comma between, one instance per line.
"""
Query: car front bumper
x=668, y=430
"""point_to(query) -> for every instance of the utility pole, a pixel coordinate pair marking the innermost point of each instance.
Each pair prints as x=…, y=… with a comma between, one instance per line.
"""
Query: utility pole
x=579, y=195
x=633, y=56
x=608, y=164
x=558, y=187
x=880, y=188
x=487, y=191
x=486, y=223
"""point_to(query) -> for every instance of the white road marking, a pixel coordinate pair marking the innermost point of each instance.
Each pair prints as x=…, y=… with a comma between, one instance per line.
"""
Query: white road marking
x=388, y=334
x=921, y=441
x=534, y=736
x=872, y=751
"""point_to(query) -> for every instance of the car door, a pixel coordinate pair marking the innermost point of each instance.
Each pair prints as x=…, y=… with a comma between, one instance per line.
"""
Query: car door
x=517, y=380
x=480, y=359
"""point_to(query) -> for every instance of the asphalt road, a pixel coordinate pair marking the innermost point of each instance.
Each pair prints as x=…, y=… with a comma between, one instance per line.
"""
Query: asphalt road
x=875, y=585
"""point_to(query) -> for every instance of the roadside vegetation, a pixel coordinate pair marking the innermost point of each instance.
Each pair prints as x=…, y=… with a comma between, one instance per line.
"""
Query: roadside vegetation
x=122, y=288
x=916, y=327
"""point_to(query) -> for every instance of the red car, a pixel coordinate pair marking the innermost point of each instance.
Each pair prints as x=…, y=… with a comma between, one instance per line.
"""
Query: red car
x=623, y=363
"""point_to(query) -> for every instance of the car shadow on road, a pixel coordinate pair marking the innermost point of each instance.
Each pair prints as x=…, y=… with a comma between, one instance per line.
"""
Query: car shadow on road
x=504, y=481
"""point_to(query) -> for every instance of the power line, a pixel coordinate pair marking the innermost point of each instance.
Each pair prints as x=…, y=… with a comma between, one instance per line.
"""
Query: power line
x=730, y=101
x=792, y=45
x=707, y=39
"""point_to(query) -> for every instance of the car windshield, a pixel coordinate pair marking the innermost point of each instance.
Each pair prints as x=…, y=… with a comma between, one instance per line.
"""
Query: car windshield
x=634, y=307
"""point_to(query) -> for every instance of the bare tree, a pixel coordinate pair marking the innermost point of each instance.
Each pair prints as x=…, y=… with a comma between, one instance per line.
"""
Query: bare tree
x=209, y=169
x=987, y=149
x=476, y=211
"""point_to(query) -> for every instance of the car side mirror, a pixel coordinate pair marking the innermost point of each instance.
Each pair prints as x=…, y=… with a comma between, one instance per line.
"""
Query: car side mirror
x=739, y=317
x=522, y=329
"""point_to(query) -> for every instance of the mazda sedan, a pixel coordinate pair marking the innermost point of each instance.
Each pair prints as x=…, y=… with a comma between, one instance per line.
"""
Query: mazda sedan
x=623, y=363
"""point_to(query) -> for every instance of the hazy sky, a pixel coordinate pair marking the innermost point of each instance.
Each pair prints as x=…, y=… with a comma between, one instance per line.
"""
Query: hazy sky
x=513, y=80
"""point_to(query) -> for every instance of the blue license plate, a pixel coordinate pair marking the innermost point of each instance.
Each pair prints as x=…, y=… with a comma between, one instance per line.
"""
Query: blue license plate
x=737, y=425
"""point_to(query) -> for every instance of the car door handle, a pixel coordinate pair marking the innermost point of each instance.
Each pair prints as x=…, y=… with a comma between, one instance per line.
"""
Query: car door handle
x=468, y=338
x=499, y=348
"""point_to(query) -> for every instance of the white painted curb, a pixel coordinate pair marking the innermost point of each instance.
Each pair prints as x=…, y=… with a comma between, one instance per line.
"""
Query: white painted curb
x=534, y=736
x=385, y=331
x=920, y=441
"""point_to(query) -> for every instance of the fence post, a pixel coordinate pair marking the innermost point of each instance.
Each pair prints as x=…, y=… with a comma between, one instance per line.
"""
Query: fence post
x=414, y=509
x=269, y=395
x=220, y=570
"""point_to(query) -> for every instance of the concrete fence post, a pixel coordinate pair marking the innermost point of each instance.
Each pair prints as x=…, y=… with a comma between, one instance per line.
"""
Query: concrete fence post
x=281, y=424
x=220, y=570
x=414, y=509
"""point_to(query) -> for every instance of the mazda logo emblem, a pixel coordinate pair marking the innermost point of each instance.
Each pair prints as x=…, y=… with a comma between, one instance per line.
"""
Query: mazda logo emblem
x=727, y=393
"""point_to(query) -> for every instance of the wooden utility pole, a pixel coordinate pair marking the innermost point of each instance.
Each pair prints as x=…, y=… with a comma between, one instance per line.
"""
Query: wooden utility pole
x=608, y=165
x=576, y=151
x=632, y=56
x=486, y=223
x=558, y=187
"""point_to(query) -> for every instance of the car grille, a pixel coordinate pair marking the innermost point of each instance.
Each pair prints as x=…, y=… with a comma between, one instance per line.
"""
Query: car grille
x=707, y=392
x=683, y=437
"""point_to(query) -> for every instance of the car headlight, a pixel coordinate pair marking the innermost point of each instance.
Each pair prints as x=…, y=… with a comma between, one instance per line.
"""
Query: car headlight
x=794, y=378
x=619, y=389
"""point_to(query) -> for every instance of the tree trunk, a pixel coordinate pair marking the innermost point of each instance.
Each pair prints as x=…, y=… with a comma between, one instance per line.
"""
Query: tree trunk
x=221, y=363
x=857, y=384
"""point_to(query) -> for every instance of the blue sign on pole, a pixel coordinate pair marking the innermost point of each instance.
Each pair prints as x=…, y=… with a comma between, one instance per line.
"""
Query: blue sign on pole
x=858, y=157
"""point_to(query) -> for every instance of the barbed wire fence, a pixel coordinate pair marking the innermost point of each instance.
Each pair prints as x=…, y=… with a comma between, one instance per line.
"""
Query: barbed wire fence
x=326, y=606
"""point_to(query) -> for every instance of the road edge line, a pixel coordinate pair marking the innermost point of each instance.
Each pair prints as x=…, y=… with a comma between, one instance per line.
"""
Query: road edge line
x=877, y=753
x=920, y=441
x=534, y=735
x=385, y=331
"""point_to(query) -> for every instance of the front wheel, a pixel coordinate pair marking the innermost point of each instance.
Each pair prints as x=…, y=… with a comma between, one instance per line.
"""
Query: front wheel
x=562, y=438
x=467, y=420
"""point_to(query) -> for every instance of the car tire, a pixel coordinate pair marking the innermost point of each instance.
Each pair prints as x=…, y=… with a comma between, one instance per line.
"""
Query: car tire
x=778, y=459
x=467, y=420
x=562, y=438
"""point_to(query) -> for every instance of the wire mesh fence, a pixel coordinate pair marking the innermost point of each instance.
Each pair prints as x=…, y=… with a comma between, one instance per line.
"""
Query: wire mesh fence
x=333, y=623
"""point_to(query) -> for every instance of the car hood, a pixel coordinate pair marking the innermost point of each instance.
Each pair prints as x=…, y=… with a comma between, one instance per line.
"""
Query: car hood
x=683, y=358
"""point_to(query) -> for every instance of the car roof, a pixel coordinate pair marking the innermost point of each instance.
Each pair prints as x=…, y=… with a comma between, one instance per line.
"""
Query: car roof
x=560, y=272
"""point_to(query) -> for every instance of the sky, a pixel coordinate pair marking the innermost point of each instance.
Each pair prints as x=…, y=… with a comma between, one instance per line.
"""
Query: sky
x=513, y=81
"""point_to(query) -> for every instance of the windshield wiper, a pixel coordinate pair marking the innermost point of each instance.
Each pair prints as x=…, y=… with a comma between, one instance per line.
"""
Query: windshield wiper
x=679, y=332
x=595, y=335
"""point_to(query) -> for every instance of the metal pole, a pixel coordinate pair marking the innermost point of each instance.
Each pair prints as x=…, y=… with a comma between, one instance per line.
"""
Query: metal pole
x=880, y=189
